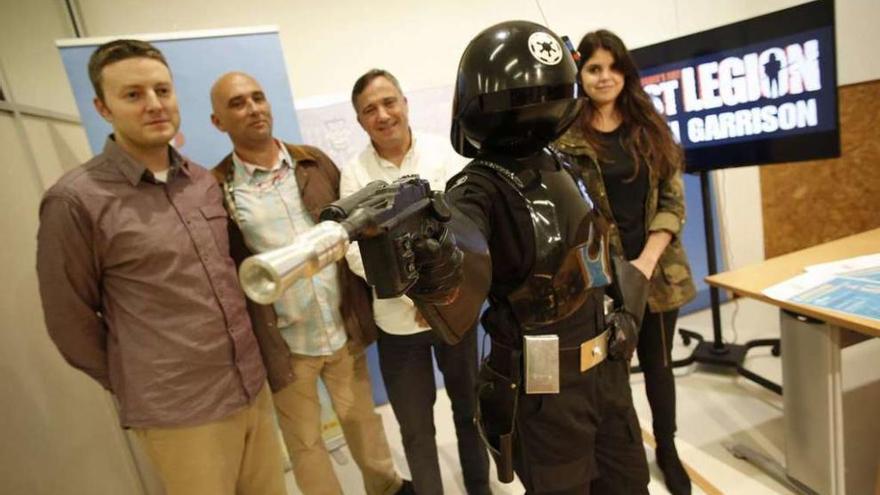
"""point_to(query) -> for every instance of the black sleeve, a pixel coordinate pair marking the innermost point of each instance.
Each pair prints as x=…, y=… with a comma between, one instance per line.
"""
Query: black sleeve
x=472, y=196
x=472, y=211
x=499, y=212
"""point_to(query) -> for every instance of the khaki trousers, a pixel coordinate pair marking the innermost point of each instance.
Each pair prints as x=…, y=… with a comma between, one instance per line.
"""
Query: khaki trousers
x=237, y=455
x=347, y=380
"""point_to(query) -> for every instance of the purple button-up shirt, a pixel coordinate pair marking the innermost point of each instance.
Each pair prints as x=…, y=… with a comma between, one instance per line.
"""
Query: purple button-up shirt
x=139, y=290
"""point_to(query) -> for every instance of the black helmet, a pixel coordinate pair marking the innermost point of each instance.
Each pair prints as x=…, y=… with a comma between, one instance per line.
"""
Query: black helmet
x=516, y=91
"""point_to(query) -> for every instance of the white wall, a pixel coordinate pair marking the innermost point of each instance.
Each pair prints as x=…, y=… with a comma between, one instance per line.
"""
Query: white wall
x=328, y=44
x=57, y=427
x=28, y=29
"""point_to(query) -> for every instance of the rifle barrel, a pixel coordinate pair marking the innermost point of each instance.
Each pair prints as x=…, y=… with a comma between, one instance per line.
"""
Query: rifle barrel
x=264, y=277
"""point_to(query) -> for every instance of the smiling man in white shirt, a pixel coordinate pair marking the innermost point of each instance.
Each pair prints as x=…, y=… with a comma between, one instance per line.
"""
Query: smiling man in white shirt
x=405, y=340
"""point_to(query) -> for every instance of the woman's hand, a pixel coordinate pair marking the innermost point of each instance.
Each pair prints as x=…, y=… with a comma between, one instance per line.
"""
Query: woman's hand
x=647, y=260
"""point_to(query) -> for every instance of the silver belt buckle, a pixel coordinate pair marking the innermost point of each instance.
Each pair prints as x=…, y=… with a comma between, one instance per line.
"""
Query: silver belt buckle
x=594, y=351
x=541, y=364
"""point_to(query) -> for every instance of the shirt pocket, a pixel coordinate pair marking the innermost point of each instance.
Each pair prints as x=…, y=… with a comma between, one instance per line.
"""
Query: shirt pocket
x=218, y=221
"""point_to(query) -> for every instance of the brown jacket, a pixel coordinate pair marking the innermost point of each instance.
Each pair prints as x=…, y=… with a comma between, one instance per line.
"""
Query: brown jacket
x=318, y=181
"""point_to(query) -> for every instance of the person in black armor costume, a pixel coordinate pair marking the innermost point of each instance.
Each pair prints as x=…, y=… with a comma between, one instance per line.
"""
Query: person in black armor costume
x=551, y=407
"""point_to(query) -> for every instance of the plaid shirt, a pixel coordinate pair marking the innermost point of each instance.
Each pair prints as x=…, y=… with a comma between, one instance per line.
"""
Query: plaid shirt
x=271, y=214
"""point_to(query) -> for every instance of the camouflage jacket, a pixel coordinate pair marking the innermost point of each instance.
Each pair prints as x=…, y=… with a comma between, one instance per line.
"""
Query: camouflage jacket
x=672, y=284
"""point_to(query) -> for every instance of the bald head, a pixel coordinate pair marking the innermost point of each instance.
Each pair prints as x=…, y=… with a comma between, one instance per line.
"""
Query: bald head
x=241, y=109
x=226, y=84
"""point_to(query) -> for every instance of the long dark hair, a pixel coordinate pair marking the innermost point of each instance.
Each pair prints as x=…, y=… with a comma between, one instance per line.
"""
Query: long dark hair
x=645, y=133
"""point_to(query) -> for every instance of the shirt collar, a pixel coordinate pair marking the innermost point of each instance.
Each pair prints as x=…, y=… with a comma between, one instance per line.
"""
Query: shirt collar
x=387, y=163
x=283, y=160
x=135, y=171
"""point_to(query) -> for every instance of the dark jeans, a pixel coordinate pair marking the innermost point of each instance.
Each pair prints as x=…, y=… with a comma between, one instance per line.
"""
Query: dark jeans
x=408, y=372
x=655, y=358
x=620, y=454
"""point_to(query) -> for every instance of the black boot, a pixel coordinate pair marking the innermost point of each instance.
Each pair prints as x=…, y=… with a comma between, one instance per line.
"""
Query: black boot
x=677, y=480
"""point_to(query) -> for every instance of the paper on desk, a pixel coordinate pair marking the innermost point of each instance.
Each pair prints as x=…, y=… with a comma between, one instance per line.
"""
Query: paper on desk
x=858, y=296
x=784, y=291
x=848, y=265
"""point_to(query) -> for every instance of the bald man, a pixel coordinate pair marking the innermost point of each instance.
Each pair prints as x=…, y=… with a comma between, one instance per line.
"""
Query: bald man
x=320, y=326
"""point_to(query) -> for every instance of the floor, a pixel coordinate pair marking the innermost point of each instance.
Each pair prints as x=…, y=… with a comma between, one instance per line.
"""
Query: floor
x=715, y=409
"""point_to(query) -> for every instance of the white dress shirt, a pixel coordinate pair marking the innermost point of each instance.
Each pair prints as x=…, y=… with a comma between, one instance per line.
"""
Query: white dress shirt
x=432, y=159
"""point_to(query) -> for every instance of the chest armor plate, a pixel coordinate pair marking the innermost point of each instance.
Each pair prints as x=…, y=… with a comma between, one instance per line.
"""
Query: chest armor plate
x=571, y=246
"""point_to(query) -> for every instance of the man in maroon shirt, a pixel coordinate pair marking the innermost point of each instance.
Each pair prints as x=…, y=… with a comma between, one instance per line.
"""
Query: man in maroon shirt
x=140, y=293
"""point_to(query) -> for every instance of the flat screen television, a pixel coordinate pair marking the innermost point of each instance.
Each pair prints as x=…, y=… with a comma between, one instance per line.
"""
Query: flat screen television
x=759, y=91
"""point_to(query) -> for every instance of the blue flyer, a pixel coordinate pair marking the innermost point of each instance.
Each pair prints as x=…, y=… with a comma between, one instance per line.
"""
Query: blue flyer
x=871, y=274
x=859, y=296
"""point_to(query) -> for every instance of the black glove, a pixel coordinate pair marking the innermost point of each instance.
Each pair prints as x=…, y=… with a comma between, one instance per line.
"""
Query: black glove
x=630, y=294
x=623, y=334
x=439, y=263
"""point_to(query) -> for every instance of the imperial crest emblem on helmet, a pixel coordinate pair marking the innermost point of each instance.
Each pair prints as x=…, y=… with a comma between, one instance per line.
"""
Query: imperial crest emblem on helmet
x=545, y=48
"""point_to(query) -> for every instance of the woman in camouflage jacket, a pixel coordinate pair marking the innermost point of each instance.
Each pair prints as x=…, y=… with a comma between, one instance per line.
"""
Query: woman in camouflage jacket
x=632, y=169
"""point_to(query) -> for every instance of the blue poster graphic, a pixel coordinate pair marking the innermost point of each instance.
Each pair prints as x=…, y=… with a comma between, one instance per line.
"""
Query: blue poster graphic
x=858, y=296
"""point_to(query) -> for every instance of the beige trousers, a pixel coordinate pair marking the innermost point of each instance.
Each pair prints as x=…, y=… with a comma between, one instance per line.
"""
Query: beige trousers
x=347, y=380
x=237, y=455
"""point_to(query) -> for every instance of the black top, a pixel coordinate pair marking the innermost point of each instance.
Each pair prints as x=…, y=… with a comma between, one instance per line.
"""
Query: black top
x=627, y=195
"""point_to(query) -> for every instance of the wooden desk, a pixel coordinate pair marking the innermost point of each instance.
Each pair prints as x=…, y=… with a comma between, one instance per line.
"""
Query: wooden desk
x=751, y=280
x=812, y=339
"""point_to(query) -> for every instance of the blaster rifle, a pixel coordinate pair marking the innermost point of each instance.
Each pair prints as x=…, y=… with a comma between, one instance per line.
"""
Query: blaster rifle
x=384, y=219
